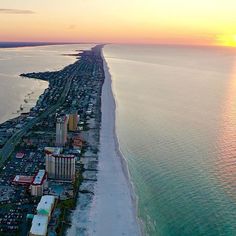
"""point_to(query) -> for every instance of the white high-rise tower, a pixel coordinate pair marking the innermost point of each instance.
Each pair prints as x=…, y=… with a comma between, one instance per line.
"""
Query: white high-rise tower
x=61, y=131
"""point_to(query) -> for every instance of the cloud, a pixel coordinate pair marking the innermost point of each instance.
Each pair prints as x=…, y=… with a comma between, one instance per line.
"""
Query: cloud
x=15, y=11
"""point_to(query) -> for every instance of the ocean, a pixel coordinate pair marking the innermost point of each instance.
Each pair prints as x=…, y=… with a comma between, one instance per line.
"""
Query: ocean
x=175, y=122
x=15, y=90
x=176, y=126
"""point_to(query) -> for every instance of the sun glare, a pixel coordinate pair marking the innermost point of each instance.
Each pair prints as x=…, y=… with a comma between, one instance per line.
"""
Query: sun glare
x=227, y=40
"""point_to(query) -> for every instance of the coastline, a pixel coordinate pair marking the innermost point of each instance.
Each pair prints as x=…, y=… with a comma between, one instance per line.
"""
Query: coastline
x=114, y=210
x=28, y=100
x=29, y=44
x=30, y=95
x=122, y=158
x=25, y=92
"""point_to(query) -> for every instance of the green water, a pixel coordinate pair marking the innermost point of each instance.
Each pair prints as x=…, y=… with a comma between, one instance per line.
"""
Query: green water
x=176, y=124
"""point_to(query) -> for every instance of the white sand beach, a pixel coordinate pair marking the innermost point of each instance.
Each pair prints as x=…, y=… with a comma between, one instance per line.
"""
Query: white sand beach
x=112, y=209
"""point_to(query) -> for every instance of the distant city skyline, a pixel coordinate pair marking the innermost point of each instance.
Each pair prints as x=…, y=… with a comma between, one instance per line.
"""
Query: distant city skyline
x=201, y=22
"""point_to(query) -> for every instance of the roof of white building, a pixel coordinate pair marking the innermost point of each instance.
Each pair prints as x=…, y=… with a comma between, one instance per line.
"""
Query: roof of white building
x=45, y=205
x=39, y=225
x=39, y=177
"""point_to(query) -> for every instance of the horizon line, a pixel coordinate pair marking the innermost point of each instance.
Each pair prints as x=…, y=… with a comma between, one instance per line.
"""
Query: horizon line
x=13, y=44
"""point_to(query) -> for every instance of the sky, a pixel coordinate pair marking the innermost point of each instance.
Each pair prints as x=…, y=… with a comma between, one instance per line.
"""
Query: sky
x=207, y=22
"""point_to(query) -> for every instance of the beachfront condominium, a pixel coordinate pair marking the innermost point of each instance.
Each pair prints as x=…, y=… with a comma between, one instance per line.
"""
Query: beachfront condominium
x=60, y=167
x=73, y=121
x=44, y=211
x=61, y=131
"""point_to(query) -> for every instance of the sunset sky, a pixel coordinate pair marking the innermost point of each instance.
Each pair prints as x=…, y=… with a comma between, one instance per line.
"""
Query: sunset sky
x=124, y=21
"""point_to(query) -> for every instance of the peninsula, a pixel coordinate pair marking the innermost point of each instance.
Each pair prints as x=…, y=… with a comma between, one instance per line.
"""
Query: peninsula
x=40, y=155
x=61, y=169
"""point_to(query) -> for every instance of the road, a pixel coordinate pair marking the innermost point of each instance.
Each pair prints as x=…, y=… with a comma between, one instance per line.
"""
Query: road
x=9, y=146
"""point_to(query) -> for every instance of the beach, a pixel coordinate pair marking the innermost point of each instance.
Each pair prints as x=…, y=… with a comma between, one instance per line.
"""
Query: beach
x=112, y=210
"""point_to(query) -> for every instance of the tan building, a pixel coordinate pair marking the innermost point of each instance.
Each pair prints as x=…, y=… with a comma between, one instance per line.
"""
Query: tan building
x=73, y=121
x=38, y=183
x=61, y=131
x=61, y=167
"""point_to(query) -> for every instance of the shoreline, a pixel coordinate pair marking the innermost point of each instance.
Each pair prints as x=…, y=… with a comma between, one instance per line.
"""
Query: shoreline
x=122, y=158
x=114, y=208
x=8, y=45
x=30, y=44
x=27, y=101
x=28, y=95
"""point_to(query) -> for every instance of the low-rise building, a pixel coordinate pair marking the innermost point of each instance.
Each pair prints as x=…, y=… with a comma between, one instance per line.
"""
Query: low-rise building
x=44, y=211
x=46, y=205
x=20, y=155
x=23, y=180
x=77, y=142
x=39, y=226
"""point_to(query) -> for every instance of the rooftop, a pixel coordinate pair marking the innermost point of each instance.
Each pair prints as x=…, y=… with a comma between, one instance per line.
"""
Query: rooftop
x=46, y=204
x=22, y=179
x=53, y=150
x=63, y=156
x=20, y=155
x=39, y=177
x=39, y=225
x=62, y=120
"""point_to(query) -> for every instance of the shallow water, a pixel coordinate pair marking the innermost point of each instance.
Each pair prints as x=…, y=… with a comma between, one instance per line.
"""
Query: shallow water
x=15, y=61
x=176, y=123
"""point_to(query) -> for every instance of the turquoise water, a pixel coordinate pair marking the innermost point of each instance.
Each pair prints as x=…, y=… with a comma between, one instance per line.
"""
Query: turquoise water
x=176, y=124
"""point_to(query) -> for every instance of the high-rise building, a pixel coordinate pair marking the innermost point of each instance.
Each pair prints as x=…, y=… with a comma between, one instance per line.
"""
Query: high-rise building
x=73, y=121
x=61, y=167
x=61, y=131
x=38, y=184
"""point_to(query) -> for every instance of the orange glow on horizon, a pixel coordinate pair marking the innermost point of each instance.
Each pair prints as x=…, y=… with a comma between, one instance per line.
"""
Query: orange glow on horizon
x=199, y=22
